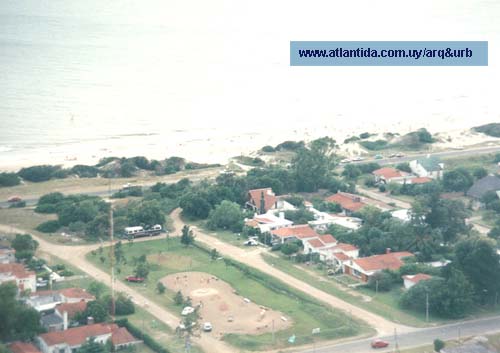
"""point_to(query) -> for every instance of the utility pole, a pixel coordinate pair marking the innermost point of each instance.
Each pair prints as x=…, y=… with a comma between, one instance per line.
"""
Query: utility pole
x=111, y=260
x=426, y=306
x=396, y=344
x=376, y=287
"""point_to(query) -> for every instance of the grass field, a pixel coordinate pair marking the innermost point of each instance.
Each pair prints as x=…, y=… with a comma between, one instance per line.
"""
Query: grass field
x=384, y=304
x=306, y=313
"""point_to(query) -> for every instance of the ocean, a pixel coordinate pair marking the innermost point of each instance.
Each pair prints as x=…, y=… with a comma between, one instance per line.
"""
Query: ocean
x=210, y=80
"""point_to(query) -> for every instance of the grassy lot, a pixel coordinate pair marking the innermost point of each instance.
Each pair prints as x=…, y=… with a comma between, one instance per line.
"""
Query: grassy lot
x=82, y=185
x=472, y=161
x=224, y=235
x=305, y=312
x=384, y=304
x=493, y=342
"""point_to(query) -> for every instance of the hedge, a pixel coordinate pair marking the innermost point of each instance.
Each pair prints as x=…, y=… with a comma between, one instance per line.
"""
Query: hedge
x=147, y=339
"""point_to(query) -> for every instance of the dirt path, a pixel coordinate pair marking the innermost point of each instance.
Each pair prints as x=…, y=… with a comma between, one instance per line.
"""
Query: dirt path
x=75, y=255
x=253, y=258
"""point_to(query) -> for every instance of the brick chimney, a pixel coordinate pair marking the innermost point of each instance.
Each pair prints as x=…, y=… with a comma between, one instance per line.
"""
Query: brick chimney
x=387, y=250
x=90, y=320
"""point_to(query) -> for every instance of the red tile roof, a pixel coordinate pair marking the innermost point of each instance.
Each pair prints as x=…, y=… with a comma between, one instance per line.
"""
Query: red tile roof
x=78, y=335
x=389, y=173
x=23, y=347
x=327, y=239
x=421, y=180
x=347, y=201
x=341, y=256
x=391, y=261
x=298, y=231
x=316, y=243
x=76, y=293
x=346, y=247
x=255, y=196
x=17, y=270
x=417, y=278
x=72, y=308
x=122, y=336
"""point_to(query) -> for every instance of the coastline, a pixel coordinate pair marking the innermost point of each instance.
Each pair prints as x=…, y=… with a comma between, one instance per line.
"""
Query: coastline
x=220, y=147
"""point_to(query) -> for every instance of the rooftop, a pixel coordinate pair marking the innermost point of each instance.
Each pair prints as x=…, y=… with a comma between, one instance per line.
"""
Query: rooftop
x=417, y=278
x=420, y=180
x=16, y=270
x=388, y=173
x=484, y=185
x=23, y=347
x=299, y=231
x=390, y=261
x=78, y=335
x=430, y=163
x=269, y=198
x=72, y=308
x=347, y=201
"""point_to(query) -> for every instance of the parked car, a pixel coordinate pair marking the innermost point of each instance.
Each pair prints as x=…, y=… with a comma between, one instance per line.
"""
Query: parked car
x=14, y=199
x=207, y=327
x=357, y=159
x=134, y=279
x=345, y=161
x=251, y=242
x=378, y=156
x=379, y=343
x=187, y=310
x=399, y=155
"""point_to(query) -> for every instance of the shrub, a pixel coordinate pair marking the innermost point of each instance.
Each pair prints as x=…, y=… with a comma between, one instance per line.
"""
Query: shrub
x=404, y=167
x=18, y=204
x=268, y=149
x=289, y=248
x=492, y=129
x=49, y=226
x=364, y=135
x=9, y=179
x=290, y=145
x=438, y=345
x=45, y=208
x=38, y=173
x=382, y=280
x=374, y=145
x=52, y=198
x=84, y=171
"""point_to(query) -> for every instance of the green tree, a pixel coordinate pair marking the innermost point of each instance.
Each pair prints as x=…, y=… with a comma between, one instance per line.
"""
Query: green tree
x=195, y=205
x=160, y=288
x=438, y=345
x=479, y=172
x=9, y=179
x=479, y=261
x=118, y=252
x=381, y=281
x=300, y=216
x=147, y=213
x=226, y=215
x=25, y=246
x=290, y=248
x=458, y=179
x=178, y=298
x=95, y=309
x=19, y=322
x=187, y=236
x=142, y=270
x=49, y=226
x=96, y=288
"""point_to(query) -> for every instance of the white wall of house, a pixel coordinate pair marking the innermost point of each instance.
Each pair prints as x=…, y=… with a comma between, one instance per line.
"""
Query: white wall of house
x=408, y=284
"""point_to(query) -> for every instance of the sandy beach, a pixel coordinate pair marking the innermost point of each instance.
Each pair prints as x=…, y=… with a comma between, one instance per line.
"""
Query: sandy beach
x=218, y=146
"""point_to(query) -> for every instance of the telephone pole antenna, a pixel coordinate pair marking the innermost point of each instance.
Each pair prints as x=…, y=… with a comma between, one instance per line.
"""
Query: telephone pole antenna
x=111, y=261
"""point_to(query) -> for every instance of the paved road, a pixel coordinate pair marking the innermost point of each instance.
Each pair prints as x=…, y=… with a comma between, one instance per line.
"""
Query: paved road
x=75, y=255
x=252, y=258
x=381, y=197
x=416, y=338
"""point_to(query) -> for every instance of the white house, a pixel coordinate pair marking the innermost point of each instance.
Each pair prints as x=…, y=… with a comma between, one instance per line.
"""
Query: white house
x=297, y=232
x=268, y=221
x=44, y=301
x=340, y=254
x=24, y=279
x=365, y=267
x=391, y=175
x=429, y=166
x=411, y=280
x=319, y=243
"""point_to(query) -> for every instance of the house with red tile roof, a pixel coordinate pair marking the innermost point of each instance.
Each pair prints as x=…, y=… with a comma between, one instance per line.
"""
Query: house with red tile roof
x=350, y=203
x=339, y=254
x=297, y=232
x=419, y=180
x=24, y=279
x=391, y=175
x=411, y=280
x=70, y=340
x=365, y=267
x=71, y=309
x=264, y=200
x=268, y=221
x=319, y=243
x=47, y=300
x=23, y=347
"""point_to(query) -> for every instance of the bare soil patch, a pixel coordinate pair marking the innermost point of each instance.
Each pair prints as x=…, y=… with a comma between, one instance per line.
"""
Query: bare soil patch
x=223, y=307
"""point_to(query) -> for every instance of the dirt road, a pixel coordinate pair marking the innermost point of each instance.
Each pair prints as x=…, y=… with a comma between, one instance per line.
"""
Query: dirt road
x=253, y=258
x=75, y=255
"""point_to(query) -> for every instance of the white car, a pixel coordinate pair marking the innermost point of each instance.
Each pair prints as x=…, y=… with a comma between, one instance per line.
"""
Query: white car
x=187, y=310
x=345, y=161
x=207, y=327
x=357, y=159
x=251, y=242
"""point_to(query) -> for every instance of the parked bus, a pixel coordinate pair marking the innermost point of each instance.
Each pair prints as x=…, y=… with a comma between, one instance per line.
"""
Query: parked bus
x=138, y=231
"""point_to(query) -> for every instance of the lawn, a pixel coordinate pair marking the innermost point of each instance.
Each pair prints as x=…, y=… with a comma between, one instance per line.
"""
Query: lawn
x=305, y=312
x=224, y=235
x=384, y=304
